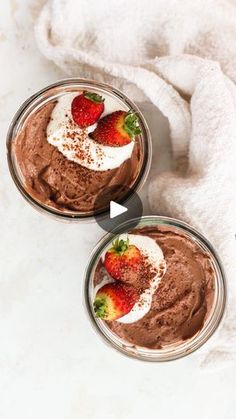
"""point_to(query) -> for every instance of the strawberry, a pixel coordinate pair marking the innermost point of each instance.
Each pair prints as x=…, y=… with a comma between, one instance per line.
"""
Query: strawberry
x=121, y=258
x=117, y=128
x=87, y=108
x=114, y=300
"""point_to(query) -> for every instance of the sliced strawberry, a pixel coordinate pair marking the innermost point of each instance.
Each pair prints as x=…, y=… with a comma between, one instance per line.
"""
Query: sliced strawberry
x=121, y=258
x=87, y=108
x=117, y=128
x=114, y=300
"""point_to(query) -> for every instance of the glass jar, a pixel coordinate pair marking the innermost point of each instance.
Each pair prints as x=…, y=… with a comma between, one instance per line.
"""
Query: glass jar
x=51, y=94
x=175, y=350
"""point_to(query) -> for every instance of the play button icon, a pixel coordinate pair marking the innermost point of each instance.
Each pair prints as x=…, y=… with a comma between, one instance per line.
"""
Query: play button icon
x=122, y=204
x=116, y=209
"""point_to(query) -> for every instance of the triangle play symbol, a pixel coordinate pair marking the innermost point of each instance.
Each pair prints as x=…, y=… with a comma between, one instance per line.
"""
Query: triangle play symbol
x=116, y=209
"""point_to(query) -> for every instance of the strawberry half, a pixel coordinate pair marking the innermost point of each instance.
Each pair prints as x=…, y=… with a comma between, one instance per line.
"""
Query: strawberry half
x=121, y=258
x=114, y=300
x=87, y=108
x=117, y=128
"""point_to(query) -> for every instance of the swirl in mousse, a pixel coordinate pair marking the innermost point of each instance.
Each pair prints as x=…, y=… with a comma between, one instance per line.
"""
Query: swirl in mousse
x=154, y=287
x=71, y=149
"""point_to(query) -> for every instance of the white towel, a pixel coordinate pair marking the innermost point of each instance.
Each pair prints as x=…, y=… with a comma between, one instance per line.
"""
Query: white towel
x=152, y=50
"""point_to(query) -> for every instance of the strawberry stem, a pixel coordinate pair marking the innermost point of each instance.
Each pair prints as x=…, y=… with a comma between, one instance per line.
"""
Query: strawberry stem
x=131, y=124
x=94, y=97
x=120, y=246
x=100, y=307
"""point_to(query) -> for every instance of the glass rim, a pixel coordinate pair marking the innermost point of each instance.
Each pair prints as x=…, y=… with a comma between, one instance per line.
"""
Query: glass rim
x=169, y=352
x=32, y=100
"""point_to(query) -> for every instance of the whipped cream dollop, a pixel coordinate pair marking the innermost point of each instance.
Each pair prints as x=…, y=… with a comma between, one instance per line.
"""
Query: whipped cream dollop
x=152, y=251
x=76, y=145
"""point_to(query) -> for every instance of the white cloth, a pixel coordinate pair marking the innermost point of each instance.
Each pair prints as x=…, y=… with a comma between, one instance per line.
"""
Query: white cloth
x=139, y=47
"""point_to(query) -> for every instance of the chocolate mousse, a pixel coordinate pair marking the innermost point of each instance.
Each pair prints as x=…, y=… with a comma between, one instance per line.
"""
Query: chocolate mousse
x=58, y=181
x=183, y=298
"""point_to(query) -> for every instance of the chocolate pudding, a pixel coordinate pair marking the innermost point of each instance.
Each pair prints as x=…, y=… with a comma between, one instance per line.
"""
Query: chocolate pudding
x=60, y=174
x=183, y=298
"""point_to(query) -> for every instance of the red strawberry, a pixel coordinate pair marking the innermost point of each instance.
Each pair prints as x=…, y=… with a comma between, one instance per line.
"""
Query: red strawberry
x=114, y=300
x=87, y=108
x=122, y=257
x=117, y=128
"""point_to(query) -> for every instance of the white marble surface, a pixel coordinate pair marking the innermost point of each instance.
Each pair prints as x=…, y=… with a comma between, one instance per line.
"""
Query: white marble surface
x=52, y=365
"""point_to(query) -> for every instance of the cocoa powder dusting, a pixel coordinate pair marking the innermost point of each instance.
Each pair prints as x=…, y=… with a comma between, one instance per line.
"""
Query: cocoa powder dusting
x=183, y=299
x=58, y=182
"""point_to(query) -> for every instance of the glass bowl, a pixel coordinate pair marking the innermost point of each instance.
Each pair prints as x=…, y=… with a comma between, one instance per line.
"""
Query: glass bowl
x=52, y=93
x=172, y=351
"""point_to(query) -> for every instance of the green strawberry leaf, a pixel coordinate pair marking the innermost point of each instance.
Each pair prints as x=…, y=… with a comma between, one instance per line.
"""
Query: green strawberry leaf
x=100, y=307
x=120, y=246
x=131, y=124
x=94, y=97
